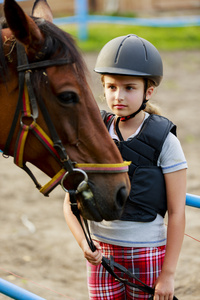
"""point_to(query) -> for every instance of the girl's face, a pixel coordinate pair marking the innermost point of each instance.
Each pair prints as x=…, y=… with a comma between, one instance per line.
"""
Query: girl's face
x=124, y=94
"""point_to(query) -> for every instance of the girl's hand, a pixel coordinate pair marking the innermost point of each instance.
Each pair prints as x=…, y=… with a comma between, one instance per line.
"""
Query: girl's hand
x=95, y=258
x=164, y=287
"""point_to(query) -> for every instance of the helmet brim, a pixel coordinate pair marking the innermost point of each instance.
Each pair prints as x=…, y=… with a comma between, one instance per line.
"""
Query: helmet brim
x=126, y=72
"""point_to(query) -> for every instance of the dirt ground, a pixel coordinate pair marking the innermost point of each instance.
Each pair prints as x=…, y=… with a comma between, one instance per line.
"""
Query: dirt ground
x=35, y=242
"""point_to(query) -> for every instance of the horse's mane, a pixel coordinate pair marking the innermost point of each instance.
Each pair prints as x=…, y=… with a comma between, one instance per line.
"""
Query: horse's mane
x=55, y=39
x=3, y=65
x=58, y=44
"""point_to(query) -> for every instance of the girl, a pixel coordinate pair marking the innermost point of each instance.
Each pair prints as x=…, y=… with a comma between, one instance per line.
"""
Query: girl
x=131, y=68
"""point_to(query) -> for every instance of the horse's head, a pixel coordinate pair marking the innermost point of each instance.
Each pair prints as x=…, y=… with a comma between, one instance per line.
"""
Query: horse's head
x=57, y=80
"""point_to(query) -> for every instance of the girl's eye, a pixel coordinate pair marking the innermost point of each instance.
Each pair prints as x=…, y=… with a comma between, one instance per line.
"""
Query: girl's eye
x=68, y=97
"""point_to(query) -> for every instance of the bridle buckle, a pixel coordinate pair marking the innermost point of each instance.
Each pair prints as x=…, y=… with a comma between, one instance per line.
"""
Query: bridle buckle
x=32, y=121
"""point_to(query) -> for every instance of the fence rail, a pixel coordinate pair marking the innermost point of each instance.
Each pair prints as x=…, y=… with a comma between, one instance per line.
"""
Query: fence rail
x=2, y=1
x=193, y=200
x=15, y=292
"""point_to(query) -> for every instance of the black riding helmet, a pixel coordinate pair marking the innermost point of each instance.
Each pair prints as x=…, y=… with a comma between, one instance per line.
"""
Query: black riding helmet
x=130, y=55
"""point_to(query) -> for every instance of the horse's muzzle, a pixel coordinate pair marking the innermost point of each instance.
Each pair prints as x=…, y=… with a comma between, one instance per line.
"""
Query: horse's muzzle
x=93, y=205
x=91, y=201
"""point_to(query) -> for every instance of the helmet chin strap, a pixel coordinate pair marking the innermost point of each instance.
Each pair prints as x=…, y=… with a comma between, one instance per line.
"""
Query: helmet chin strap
x=123, y=119
x=142, y=107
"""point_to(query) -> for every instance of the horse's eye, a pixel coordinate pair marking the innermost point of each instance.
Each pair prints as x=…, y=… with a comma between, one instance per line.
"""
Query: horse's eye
x=68, y=97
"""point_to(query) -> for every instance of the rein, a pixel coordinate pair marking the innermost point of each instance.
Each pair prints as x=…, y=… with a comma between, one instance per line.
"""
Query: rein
x=108, y=263
x=27, y=109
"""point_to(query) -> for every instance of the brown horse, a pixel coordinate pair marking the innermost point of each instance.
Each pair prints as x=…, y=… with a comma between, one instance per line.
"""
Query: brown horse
x=60, y=119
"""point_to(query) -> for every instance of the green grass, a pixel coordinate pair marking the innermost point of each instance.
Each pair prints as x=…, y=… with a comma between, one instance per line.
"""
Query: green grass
x=183, y=38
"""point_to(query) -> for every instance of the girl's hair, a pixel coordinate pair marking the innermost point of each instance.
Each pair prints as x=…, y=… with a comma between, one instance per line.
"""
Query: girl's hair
x=150, y=108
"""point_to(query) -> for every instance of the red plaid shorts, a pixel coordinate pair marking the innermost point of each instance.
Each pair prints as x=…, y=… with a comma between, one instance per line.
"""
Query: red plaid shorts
x=145, y=263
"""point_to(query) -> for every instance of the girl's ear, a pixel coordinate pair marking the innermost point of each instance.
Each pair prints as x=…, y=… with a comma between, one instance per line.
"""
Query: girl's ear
x=149, y=92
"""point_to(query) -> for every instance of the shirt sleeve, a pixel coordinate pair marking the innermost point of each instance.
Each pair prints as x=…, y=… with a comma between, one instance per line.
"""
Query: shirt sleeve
x=172, y=158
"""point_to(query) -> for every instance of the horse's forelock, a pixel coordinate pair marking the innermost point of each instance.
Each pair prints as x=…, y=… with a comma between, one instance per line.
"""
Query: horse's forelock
x=60, y=44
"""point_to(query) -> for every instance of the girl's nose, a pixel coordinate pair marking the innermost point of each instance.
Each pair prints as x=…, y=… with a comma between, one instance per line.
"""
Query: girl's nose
x=119, y=95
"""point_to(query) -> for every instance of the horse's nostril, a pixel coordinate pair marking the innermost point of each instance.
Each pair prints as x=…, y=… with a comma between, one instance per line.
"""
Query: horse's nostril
x=121, y=197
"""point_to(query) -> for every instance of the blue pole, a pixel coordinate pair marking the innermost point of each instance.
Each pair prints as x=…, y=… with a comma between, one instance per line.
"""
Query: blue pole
x=81, y=11
x=1, y=1
x=193, y=200
x=15, y=292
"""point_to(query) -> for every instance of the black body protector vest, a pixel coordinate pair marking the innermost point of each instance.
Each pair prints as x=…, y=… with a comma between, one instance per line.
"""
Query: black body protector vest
x=147, y=197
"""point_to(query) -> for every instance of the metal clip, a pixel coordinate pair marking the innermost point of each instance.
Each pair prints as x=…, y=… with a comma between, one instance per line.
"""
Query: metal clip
x=82, y=185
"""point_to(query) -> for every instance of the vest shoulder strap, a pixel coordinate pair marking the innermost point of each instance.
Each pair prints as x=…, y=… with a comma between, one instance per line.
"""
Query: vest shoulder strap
x=107, y=118
x=155, y=130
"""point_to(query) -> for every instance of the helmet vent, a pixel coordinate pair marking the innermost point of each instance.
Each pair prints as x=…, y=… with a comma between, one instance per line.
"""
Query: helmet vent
x=145, y=49
x=119, y=48
x=121, y=45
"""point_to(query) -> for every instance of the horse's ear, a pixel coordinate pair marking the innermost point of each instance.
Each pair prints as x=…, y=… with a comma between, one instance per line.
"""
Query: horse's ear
x=23, y=27
x=41, y=9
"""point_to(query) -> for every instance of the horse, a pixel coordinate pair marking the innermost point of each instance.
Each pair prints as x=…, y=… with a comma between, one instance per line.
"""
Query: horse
x=49, y=117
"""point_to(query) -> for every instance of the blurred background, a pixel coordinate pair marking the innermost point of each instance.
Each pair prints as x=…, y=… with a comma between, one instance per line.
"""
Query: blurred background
x=144, y=7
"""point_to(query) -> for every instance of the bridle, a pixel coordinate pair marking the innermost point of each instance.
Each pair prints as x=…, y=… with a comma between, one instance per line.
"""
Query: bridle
x=27, y=109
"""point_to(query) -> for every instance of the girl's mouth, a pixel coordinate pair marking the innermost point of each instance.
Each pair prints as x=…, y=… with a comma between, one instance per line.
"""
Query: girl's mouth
x=119, y=106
